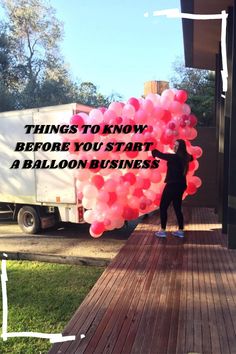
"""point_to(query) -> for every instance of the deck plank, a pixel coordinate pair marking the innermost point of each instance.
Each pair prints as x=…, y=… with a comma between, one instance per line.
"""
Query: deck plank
x=162, y=296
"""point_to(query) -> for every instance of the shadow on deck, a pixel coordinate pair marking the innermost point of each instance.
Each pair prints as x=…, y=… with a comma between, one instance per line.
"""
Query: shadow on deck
x=162, y=295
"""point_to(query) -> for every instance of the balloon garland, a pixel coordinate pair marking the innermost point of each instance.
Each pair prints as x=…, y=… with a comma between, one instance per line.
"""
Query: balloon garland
x=119, y=180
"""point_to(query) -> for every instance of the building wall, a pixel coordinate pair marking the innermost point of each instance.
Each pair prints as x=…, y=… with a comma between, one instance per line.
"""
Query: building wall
x=207, y=194
x=155, y=87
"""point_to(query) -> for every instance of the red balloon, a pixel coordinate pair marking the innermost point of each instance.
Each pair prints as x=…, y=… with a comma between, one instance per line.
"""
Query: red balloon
x=130, y=213
x=191, y=165
x=132, y=154
x=146, y=183
x=138, y=192
x=142, y=205
x=181, y=96
x=166, y=139
x=97, y=227
x=98, y=181
x=166, y=116
x=171, y=125
x=129, y=177
x=183, y=121
x=135, y=103
x=191, y=188
x=118, y=120
x=77, y=120
x=157, y=199
x=149, y=129
x=193, y=120
x=112, y=198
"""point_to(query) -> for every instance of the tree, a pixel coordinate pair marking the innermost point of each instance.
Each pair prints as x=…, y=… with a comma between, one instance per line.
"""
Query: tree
x=9, y=80
x=88, y=95
x=33, y=71
x=200, y=85
x=34, y=34
x=57, y=87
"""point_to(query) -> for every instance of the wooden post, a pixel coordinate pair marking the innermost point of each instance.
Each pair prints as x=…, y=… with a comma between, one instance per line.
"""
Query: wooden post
x=230, y=99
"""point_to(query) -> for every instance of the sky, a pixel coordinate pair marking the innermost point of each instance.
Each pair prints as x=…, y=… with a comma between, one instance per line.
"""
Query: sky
x=113, y=45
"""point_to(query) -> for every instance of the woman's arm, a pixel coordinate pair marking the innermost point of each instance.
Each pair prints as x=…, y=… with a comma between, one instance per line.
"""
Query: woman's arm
x=163, y=156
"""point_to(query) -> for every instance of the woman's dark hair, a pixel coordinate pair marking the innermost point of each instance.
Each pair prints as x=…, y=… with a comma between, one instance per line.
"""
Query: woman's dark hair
x=183, y=154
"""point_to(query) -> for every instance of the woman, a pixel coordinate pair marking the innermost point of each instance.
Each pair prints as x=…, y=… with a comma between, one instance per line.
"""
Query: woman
x=177, y=168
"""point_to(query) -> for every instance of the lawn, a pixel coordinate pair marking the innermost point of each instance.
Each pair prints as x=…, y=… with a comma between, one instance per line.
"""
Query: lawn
x=42, y=297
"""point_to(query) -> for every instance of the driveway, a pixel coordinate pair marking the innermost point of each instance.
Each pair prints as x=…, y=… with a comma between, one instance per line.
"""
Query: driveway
x=68, y=243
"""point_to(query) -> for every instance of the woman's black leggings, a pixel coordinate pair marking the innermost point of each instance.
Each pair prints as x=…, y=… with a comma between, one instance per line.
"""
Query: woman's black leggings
x=173, y=192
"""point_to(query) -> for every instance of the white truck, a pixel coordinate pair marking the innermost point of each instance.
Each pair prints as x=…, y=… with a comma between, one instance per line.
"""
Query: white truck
x=37, y=198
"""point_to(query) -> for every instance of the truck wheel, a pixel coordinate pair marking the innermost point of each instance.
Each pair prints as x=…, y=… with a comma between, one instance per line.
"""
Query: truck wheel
x=28, y=220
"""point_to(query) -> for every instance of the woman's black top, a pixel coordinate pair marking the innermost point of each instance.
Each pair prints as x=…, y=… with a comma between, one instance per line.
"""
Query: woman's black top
x=175, y=166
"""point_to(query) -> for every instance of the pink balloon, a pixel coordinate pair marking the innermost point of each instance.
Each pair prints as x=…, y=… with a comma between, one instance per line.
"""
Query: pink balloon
x=116, y=107
x=140, y=116
x=102, y=109
x=110, y=185
x=128, y=111
x=176, y=107
x=197, y=151
x=196, y=181
x=109, y=116
x=193, y=134
x=103, y=196
x=148, y=106
x=96, y=115
x=155, y=176
x=186, y=109
x=138, y=138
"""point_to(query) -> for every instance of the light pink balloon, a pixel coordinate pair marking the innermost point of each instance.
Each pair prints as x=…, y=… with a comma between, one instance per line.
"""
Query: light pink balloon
x=116, y=107
x=128, y=111
x=147, y=106
x=103, y=196
x=96, y=116
x=186, y=109
x=109, y=115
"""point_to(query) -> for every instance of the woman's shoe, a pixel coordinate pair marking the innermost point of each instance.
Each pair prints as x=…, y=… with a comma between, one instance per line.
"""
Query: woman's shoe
x=160, y=234
x=178, y=233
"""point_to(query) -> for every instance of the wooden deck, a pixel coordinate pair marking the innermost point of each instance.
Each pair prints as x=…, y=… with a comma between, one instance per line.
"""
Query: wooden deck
x=162, y=296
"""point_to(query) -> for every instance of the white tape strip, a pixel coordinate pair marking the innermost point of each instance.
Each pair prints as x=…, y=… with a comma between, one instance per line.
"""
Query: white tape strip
x=54, y=338
x=171, y=13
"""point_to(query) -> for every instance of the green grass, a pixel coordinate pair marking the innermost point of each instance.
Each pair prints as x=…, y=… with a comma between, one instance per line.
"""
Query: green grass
x=42, y=297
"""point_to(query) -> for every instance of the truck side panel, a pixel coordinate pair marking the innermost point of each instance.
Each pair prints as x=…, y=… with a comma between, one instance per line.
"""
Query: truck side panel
x=17, y=185
x=53, y=185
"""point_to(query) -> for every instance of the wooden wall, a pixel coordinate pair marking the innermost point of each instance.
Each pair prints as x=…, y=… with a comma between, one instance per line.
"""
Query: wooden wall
x=207, y=194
